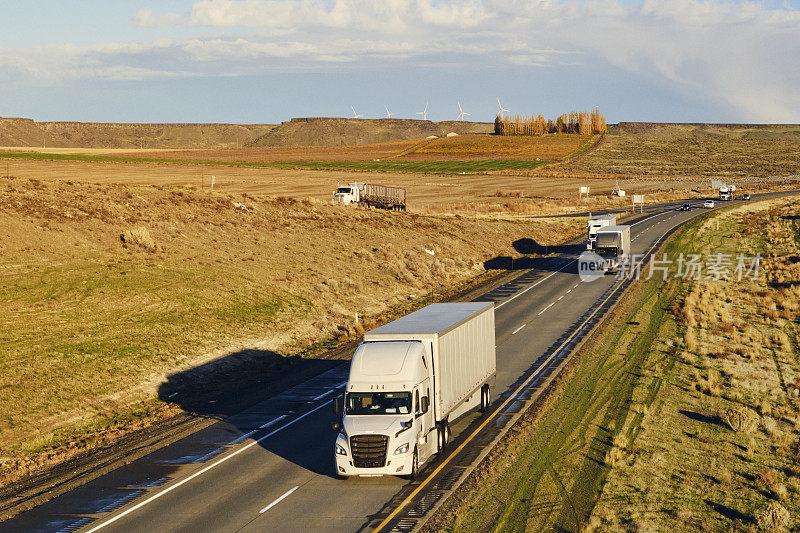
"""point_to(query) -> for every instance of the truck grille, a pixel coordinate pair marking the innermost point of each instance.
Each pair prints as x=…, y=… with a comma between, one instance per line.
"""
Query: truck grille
x=369, y=451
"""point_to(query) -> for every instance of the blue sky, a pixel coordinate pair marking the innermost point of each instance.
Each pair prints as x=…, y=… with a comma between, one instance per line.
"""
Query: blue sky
x=269, y=60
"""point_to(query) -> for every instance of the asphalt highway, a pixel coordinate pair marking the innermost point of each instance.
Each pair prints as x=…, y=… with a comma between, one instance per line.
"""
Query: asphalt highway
x=270, y=468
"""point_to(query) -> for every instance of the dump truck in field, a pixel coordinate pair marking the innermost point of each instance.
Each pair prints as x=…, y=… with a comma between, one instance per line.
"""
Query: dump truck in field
x=371, y=195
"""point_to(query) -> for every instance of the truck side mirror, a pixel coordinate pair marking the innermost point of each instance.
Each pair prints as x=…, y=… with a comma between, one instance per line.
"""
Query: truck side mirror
x=336, y=426
x=337, y=405
x=424, y=404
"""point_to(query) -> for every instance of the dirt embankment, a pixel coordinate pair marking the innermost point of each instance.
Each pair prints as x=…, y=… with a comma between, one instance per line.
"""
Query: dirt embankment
x=351, y=131
x=26, y=132
x=108, y=290
x=299, y=132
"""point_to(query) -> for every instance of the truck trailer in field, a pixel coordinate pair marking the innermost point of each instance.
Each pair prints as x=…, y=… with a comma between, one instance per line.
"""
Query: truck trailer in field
x=371, y=195
x=614, y=246
x=409, y=380
x=594, y=224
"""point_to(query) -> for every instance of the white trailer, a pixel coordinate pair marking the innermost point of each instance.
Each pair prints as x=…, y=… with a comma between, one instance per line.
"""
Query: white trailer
x=594, y=224
x=409, y=380
x=614, y=246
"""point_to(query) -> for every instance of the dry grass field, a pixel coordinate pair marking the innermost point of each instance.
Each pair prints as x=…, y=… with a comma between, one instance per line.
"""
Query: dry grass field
x=719, y=446
x=106, y=289
x=690, y=150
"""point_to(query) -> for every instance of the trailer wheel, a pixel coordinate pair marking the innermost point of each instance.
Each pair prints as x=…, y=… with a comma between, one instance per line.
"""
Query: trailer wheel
x=486, y=398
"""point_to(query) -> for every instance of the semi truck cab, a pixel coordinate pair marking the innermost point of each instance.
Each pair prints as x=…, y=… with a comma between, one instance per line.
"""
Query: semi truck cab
x=347, y=194
x=387, y=422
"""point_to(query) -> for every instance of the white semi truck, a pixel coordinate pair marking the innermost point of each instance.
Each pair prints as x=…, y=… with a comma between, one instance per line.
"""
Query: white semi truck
x=371, y=195
x=409, y=380
x=594, y=224
x=727, y=192
x=614, y=246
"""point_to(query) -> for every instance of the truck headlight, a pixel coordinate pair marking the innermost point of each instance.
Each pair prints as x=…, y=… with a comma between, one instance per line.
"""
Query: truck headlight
x=340, y=450
x=401, y=449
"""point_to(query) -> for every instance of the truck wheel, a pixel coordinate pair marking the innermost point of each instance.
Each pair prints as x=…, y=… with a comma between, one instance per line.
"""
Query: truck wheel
x=440, y=443
x=446, y=430
x=485, y=398
x=414, y=466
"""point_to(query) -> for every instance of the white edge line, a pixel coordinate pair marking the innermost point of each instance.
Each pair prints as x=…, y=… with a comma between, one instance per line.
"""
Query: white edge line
x=518, y=329
x=321, y=396
x=535, y=284
x=242, y=438
x=279, y=500
x=272, y=422
x=203, y=471
x=546, y=308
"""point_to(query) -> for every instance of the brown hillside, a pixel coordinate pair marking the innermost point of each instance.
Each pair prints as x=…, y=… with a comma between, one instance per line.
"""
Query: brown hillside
x=351, y=131
x=121, y=135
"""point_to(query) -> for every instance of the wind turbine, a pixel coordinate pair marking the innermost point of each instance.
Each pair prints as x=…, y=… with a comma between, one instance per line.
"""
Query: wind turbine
x=424, y=112
x=388, y=115
x=461, y=113
x=502, y=109
x=355, y=115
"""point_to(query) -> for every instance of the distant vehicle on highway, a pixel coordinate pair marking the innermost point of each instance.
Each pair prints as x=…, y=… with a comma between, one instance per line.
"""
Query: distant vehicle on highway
x=409, y=380
x=614, y=246
x=745, y=196
x=727, y=193
x=594, y=224
x=686, y=207
x=371, y=195
x=708, y=204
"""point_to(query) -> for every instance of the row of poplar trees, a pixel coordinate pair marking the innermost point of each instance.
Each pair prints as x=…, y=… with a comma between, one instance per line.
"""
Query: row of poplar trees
x=578, y=122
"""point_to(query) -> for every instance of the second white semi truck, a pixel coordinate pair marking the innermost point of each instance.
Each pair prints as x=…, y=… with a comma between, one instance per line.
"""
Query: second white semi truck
x=727, y=192
x=614, y=246
x=409, y=380
x=594, y=224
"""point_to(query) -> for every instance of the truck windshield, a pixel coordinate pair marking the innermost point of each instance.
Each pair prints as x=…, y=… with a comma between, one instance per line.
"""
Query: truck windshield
x=378, y=403
x=344, y=190
x=607, y=251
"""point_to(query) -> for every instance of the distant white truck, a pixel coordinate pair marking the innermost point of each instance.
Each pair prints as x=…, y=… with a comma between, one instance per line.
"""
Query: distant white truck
x=614, y=246
x=409, y=380
x=727, y=192
x=372, y=195
x=594, y=224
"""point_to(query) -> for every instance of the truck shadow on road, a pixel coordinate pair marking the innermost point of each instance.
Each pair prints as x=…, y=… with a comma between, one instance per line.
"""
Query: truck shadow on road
x=252, y=388
x=547, y=259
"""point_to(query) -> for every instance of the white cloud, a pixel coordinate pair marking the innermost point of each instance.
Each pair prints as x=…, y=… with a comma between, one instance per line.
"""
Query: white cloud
x=146, y=18
x=737, y=54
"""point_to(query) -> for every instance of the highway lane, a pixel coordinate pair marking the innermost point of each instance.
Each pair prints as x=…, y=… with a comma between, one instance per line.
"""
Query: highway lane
x=266, y=468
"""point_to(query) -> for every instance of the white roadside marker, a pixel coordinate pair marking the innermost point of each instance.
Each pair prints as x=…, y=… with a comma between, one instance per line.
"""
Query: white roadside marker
x=279, y=500
x=517, y=330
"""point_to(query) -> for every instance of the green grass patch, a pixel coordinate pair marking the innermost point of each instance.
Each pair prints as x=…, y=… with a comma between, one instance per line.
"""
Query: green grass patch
x=433, y=167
